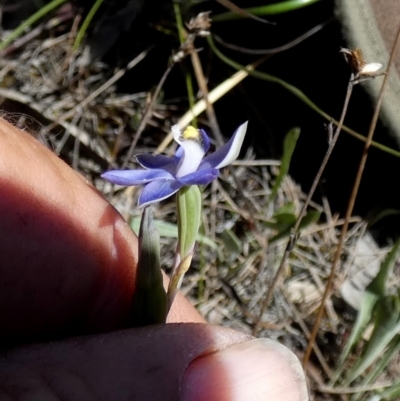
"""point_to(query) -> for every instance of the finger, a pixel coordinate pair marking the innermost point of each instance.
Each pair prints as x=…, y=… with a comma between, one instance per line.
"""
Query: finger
x=67, y=258
x=190, y=362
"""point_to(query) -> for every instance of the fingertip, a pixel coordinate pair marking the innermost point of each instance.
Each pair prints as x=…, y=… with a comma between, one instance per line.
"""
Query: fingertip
x=255, y=370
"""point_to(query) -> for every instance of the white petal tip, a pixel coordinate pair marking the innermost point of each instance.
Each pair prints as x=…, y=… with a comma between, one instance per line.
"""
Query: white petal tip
x=176, y=132
x=371, y=68
x=236, y=145
x=241, y=131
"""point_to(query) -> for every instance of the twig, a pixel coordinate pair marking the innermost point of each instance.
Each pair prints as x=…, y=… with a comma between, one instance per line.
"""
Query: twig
x=147, y=115
x=274, y=50
x=354, y=390
x=350, y=207
x=242, y=12
x=295, y=231
x=303, y=326
x=221, y=90
x=198, y=71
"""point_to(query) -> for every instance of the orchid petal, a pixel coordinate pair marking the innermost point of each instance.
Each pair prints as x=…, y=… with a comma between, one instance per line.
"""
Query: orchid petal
x=179, y=152
x=176, y=133
x=205, y=140
x=163, y=176
x=191, y=133
x=149, y=161
x=193, y=154
x=227, y=153
x=158, y=190
x=202, y=177
x=135, y=177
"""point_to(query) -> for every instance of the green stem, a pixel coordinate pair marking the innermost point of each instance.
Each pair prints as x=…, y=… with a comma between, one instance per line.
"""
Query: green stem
x=86, y=22
x=299, y=94
x=30, y=21
x=271, y=9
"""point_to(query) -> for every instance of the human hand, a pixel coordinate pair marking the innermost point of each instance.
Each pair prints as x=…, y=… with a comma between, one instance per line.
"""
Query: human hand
x=67, y=268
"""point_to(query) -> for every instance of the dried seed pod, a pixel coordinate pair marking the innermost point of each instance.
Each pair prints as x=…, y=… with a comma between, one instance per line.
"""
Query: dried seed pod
x=200, y=25
x=360, y=68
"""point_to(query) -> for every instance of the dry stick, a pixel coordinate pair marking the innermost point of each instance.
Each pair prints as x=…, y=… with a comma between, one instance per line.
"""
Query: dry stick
x=354, y=390
x=294, y=234
x=214, y=95
x=350, y=207
x=147, y=115
x=303, y=326
x=198, y=71
x=240, y=11
x=274, y=50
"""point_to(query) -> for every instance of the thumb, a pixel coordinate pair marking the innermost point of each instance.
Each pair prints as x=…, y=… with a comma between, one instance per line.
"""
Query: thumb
x=190, y=362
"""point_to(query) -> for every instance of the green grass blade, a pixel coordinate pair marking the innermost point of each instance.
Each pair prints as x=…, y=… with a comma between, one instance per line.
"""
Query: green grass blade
x=310, y=218
x=378, y=284
x=270, y=9
x=386, y=326
x=377, y=369
x=364, y=316
x=86, y=23
x=232, y=243
x=289, y=145
x=30, y=21
x=374, y=291
x=391, y=393
x=377, y=214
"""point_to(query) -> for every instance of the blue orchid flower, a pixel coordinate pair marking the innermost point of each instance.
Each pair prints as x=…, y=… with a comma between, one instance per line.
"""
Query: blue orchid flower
x=164, y=176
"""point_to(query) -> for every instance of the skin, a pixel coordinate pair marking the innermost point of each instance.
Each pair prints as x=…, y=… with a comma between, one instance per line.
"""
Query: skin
x=67, y=271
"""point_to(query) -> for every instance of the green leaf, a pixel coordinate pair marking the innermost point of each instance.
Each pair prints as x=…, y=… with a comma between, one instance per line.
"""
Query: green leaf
x=149, y=305
x=391, y=393
x=378, y=213
x=310, y=218
x=286, y=208
x=378, y=284
x=289, y=145
x=373, y=293
x=364, y=317
x=232, y=243
x=170, y=230
x=271, y=9
x=188, y=202
x=283, y=217
x=81, y=33
x=383, y=363
x=386, y=326
x=281, y=221
x=189, y=214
